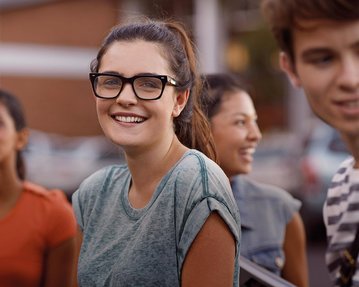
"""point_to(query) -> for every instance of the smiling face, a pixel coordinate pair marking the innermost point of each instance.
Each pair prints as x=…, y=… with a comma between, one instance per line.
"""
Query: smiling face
x=327, y=67
x=236, y=133
x=131, y=122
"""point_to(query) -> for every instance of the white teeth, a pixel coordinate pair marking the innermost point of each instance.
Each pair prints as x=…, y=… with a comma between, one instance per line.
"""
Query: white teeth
x=249, y=151
x=129, y=119
x=352, y=104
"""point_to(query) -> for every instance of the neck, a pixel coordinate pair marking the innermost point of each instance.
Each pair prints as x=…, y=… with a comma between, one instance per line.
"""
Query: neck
x=352, y=143
x=10, y=191
x=155, y=162
x=11, y=185
x=148, y=168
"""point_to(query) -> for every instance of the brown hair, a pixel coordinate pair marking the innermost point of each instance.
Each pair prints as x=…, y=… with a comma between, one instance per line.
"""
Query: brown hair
x=217, y=86
x=191, y=126
x=283, y=16
x=14, y=108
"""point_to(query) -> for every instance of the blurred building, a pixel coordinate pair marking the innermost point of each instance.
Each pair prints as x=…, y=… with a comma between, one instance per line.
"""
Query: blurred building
x=46, y=47
x=45, y=51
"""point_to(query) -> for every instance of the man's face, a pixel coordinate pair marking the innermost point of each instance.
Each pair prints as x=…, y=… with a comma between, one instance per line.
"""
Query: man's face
x=326, y=66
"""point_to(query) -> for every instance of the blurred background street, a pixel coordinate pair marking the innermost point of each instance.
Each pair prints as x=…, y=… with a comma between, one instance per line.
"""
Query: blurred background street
x=46, y=47
x=318, y=275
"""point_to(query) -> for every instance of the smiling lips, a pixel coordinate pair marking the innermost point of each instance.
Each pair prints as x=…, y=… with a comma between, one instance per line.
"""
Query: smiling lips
x=350, y=106
x=129, y=119
x=247, y=153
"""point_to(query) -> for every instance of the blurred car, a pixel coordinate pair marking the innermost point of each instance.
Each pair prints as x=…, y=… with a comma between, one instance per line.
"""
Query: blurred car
x=276, y=161
x=56, y=161
x=323, y=152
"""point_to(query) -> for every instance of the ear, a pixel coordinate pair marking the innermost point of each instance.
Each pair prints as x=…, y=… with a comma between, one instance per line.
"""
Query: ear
x=22, y=138
x=287, y=65
x=180, y=102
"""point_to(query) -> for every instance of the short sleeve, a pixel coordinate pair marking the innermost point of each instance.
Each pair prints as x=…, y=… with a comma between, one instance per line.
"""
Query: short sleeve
x=203, y=188
x=61, y=218
x=77, y=209
x=83, y=198
x=291, y=205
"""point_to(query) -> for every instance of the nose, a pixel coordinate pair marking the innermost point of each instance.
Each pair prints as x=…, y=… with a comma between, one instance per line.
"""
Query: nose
x=254, y=133
x=348, y=75
x=127, y=96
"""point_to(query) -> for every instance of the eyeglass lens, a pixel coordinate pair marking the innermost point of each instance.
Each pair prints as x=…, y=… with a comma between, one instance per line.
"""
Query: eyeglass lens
x=145, y=87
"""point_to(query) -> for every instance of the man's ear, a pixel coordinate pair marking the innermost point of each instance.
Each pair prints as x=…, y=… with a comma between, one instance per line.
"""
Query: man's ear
x=181, y=100
x=22, y=138
x=286, y=64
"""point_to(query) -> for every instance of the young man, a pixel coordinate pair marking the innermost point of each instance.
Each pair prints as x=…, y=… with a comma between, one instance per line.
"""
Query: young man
x=319, y=42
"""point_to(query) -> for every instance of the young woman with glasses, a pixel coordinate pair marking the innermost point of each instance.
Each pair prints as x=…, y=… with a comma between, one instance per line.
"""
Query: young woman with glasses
x=167, y=217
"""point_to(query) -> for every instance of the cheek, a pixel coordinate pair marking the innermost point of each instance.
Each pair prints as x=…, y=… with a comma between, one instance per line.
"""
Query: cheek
x=166, y=111
x=227, y=139
x=8, y=139
x=313, y=91
x=99, y=106
x=314, y=82
x=101, y=109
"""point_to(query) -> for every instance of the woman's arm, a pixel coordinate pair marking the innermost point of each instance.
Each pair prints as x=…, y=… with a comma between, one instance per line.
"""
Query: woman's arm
x=60, y=264
x=210, y=259
x=295, y=269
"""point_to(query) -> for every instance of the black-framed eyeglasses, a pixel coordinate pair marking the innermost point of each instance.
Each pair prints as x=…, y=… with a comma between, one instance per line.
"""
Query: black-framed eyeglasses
x=145, y=87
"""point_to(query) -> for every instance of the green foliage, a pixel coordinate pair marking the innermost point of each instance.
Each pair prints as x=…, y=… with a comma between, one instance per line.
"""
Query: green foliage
x=263, y=71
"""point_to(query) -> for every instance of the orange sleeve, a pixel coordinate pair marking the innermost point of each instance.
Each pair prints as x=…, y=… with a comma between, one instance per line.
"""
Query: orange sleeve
x=61, y=221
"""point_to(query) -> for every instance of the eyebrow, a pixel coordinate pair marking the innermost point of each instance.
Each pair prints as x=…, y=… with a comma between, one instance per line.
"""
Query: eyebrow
x=244, y=114
x=120, y=74
x=110, y=72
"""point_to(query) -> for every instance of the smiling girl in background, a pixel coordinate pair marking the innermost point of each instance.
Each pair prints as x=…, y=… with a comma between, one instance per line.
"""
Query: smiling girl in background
x=272, y=229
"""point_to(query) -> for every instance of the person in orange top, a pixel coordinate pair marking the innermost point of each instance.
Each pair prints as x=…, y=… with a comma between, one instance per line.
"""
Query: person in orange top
x=37, y=226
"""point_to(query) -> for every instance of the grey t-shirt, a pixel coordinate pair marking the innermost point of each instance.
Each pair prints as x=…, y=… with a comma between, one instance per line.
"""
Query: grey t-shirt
x=123, y=246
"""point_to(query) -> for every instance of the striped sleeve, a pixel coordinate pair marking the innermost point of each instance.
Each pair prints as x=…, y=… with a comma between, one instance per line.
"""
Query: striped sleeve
x=341, y=216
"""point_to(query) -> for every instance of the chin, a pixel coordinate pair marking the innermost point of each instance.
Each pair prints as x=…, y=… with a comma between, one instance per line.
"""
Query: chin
x=245, y=170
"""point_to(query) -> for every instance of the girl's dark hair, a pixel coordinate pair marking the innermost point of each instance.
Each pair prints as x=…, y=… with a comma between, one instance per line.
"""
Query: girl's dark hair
x=191, y=126
x=216, y=87
x=14, y=108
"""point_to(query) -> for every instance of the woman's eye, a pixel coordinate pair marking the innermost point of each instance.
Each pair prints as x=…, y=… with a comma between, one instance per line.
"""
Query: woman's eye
x=112, y=82
x=240, y=122
x=108, y=82
x=149, y=84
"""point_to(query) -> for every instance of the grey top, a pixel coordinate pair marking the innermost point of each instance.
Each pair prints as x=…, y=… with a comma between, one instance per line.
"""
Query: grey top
x=265, y=212
x=124, y=246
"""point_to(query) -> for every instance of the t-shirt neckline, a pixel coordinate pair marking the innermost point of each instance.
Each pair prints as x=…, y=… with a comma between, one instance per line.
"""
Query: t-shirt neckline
x=136, y=213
